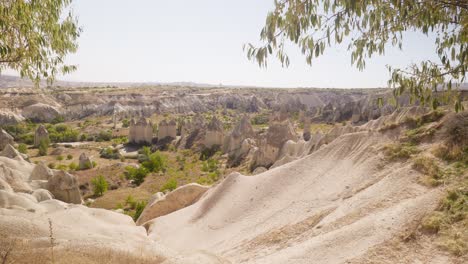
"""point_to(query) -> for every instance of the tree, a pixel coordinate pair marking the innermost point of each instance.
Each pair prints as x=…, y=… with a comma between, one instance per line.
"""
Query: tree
x=100, y=185
x=35, y=36
x=368, y=27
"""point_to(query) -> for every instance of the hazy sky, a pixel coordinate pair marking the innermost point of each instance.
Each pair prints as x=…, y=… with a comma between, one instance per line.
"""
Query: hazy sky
x=201, y=41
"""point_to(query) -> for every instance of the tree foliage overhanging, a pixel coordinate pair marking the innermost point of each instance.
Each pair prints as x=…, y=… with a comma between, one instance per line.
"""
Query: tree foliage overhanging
x=35, y=36
x=369, y=27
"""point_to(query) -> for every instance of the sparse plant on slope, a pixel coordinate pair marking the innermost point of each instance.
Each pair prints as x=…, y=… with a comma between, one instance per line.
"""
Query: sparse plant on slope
x=100, y=185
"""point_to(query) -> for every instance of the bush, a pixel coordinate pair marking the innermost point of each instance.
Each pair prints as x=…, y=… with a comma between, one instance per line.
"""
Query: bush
x=73, y=166
x=399, y=151
x=59, y=158
x=156, y=162
x=69, y=156
x=170, y=185
x=125, y=123
x=58, y=119
x=139, y=207
x=103, y=136
x=109, y=153
x=43, y=146
x=427, y=166
x=99, y=185
x=51, y=165
x=62, y=133
x=23, y=148
x=136, y=174
x=83, y=137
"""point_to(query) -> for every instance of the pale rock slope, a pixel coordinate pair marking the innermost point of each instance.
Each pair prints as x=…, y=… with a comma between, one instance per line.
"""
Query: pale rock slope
x=329, y=207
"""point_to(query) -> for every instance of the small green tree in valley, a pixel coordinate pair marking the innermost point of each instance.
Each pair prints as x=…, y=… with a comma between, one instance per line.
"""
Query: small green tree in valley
x=100, y=185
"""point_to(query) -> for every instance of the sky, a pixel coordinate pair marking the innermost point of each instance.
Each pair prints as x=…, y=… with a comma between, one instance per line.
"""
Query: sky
x=201, y=41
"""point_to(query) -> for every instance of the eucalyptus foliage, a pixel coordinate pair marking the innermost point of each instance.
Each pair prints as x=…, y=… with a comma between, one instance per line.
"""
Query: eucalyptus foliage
x=35, y=36
x=369, y=27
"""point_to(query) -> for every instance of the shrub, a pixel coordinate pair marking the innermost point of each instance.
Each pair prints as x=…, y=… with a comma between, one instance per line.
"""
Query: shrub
x=125, y=123
x=130, y=201
x=156, y=162
x=139, y=207
x=51, y=165
x=43, y=146
x=69, y=156
x=99, y=185
x=73, y=166
x=109, y=153
x=62, y=133
x=136, y=174
x=59, y=158
x=428, y=167
x=104, y=136
x=170, y=185
x=58, y=119
x=23, y=148
x=211, y=165
x=83, y=137
x=399, y=151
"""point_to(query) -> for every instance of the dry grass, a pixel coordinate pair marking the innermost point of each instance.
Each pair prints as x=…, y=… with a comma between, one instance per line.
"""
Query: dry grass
x=399, y=151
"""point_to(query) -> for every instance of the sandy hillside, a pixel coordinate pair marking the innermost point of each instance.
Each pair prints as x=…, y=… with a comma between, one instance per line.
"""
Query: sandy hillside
x=330, y=207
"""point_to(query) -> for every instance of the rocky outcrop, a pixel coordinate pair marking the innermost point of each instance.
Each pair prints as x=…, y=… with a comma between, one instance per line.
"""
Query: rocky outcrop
x=41, y=172
x=40, y=135
x=10, y=152
x=85, y=162
x=214, y=136
x=167, y=129
x=140, y=132
x=5, y=139
x=162, y=204
x=64, y=187
x=10, y=118
x=41, y=112
x=236, y=144
x=270, y=145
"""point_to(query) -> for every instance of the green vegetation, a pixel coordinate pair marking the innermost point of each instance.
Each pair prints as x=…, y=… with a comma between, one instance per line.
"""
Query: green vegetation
x=450, y=220
x=73, y=166
x=170, y=185
x=43, y=146
x=103, y=136
x=399, y=151
x=59, y=158
x=155, y=162
x=23, y=148
x=261, y=119
x=429, y=167
x=369, y=27
x=69, y=156
x=139, y=207
x=136, y=174
x=62, y=133
x=125, y=123
x=109, y=153
x=99, y=185
x=38, y=49
x=22, y=132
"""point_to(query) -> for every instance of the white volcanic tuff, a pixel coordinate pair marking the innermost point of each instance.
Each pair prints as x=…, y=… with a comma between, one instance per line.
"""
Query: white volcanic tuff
x=179, y=198
x=214, y=135
x=273, y=217
x=5, y=139
x=167, y=129
x=141, y=131
x=41, y=112
x=10, y=118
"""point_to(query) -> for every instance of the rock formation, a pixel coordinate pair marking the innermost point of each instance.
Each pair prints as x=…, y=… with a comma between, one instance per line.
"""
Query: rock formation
x=167, y=129
x=214, y=135
x=41, y=112
x=10, y=118
x=5, y=139
x=140, y=132
x=179, y=198
x=85, y=162
x=64, y=187
x=40, y=135
x=270, y=145
x=234, y=144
